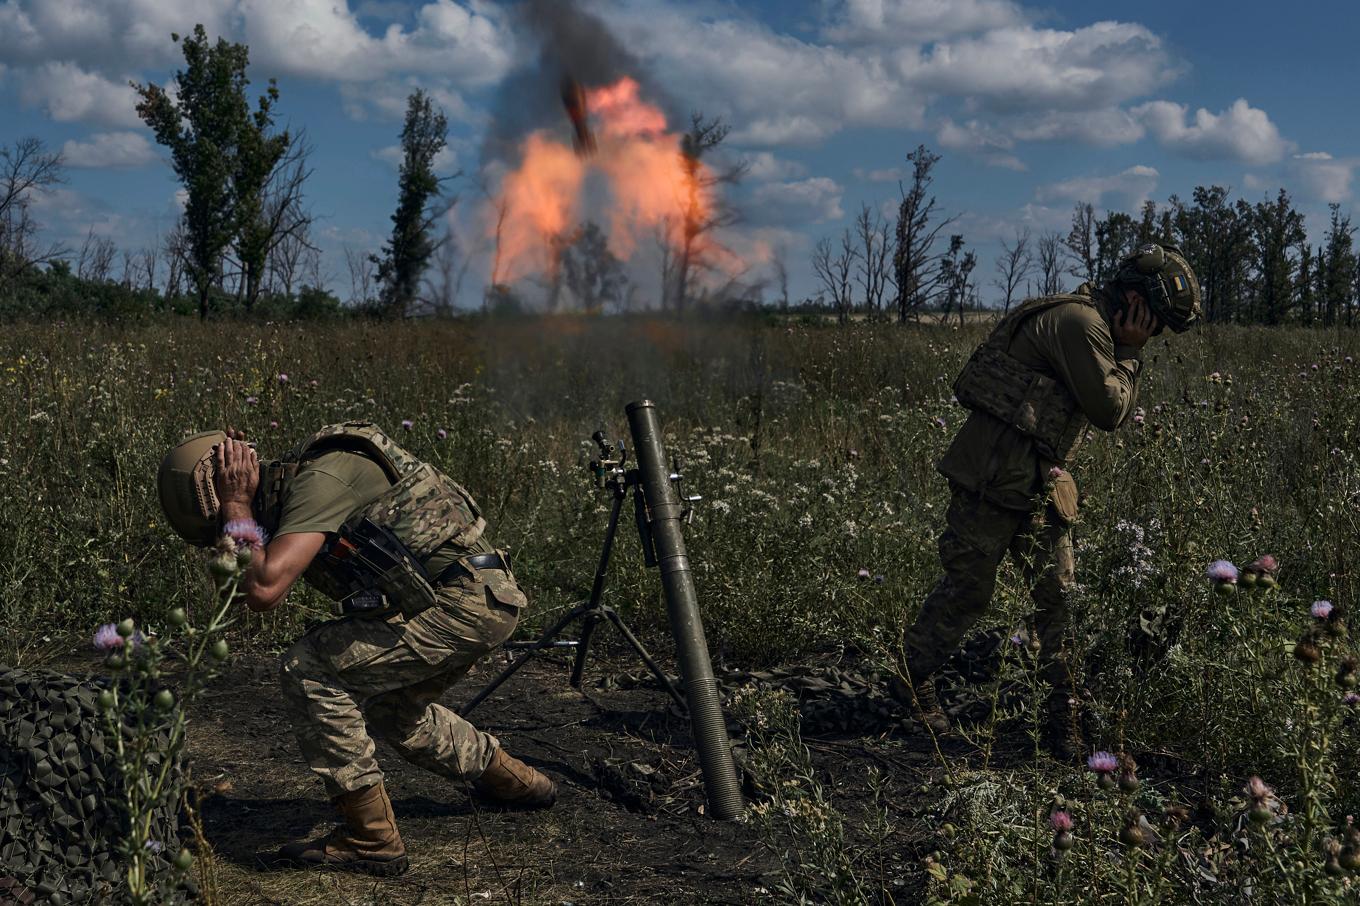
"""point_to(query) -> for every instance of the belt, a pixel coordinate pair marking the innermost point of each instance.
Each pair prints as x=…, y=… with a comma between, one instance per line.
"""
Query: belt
x=493, y=560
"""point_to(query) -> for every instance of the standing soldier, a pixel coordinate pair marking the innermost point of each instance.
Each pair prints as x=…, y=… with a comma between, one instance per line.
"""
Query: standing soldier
x=1051, y=368
x=420, y=595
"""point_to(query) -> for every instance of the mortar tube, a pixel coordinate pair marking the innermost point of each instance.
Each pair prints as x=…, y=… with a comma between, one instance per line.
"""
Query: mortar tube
x=682, y=607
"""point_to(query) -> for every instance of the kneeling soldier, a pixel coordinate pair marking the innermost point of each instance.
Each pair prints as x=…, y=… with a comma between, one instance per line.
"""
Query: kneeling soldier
x=420, y=595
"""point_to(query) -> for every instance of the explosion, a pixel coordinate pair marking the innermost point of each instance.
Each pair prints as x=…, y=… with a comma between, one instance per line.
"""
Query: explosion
x=652, y=186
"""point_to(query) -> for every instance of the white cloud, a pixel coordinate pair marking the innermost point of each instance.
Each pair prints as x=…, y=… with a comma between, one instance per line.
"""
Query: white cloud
x=68, y=93
x=776, y=89
x=1135, y=184
x=1103, y=128
x=1026, y=68
x=887, y=174
x=917, y=21
x=763, y=166
x=452, y=44
x=1242, y=132
x=1324, y=177
x=981, y=140
x=815, y=199
x=109, y=150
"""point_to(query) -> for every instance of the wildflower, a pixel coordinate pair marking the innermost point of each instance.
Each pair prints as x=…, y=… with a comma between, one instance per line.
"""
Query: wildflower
x=879, y=579
x=939, y=422
x=273, y=425
x=106, y=638
x=1055, y=473
x=313, y=383
x=1215, y=378
x=863, y=575
x=1222, y=571
x=406, y=423
x=252, y=401
x=1262, y=799
x=1128, y=774
x=283, y=378
x=1061, y=823
x=1104, y=765
x=246, y=533
x=1321, y=609
x=1132, y=834
x=155, y=846
x=441, y=434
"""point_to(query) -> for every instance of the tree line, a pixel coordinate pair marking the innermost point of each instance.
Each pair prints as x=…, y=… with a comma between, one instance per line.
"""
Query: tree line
x=1254, y=261
x=244, y=240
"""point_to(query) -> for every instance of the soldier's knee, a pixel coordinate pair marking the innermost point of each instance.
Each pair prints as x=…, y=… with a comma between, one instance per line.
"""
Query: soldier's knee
x=294, y=669
x=391, y=718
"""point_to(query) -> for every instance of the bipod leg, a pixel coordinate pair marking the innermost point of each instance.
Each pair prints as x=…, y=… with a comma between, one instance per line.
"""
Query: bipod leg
x=641, y=650
x=543, y=642
x=578, y=666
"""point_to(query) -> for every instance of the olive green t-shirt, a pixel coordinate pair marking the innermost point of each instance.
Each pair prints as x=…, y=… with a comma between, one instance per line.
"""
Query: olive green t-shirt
x=329, y=489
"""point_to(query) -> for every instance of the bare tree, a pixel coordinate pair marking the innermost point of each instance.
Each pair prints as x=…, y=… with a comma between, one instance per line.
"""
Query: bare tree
x=148, y=263
x=956, y=273
x=449, y=268
x=1050, y=264
x=701, y=213
x=916, y=267
x=781, y=275
x=96, y=258
x=130, y=266
x=284, y=228
x=871, y=233
x=1014, y=265
x=1081, y=243
x=176, y=248
x=27, y=169
x=361, y=277
x=834, y=268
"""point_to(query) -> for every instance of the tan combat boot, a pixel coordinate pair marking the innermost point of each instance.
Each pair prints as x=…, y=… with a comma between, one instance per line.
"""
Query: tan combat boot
x=509, y=782
x=918, y=696
x=367, y=841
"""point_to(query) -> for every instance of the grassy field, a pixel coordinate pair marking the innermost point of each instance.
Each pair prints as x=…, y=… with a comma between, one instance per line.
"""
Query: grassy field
x=813, y=447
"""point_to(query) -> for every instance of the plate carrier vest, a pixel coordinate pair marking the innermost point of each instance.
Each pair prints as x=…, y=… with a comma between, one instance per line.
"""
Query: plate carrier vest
x=381, y=547
x=997, y=383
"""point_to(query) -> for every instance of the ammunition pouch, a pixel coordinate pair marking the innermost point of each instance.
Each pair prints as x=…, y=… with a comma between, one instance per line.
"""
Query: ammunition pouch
x=369, y=572
x=995, y=382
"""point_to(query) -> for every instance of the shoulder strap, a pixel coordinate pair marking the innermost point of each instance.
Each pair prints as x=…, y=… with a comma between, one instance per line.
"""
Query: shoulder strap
x=364, y=438
x=1005, y=330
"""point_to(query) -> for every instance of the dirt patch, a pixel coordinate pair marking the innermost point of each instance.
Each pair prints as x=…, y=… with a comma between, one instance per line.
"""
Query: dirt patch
x=628, y=826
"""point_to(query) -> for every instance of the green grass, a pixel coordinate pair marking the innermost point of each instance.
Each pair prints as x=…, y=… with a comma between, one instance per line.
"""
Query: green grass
x=814, y=448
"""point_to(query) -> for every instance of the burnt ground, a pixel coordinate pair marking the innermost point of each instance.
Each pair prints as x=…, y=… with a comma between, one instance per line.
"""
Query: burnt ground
x=627, y=828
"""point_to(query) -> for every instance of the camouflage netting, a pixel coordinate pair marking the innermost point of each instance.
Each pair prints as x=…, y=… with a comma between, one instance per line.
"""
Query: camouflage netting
x=61, y=813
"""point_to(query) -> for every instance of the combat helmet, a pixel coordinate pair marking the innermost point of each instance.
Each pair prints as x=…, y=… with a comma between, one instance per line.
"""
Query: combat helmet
x=1160, y=273
x=185, y=482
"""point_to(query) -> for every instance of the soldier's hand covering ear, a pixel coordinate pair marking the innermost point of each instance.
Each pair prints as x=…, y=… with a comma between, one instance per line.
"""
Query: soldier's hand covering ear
x=1135, y=325
x=236, y=471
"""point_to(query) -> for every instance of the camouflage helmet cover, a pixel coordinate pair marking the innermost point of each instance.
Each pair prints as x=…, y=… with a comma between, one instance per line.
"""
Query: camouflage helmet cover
x=1165, y=279
x=185, y=483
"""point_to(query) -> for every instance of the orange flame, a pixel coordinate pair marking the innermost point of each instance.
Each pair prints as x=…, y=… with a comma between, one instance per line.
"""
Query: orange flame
x=653, y=189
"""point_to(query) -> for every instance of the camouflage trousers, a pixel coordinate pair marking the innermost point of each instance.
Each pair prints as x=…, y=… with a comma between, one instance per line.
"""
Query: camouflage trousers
x=977, y=535
x=353, y=679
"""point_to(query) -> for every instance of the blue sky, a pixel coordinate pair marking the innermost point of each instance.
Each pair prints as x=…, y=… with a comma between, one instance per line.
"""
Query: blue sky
x=1033, y=107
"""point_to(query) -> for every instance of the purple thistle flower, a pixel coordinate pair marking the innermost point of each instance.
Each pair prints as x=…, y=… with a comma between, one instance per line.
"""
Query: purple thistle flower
x=1060, y=821
x=441, y=434
x=1350, y=698
x=106, y=638
x=246, y=532
x=863, y=575
x=155, y=846
x=252, y=401
x=880, y=579
x=1321, y=609
x=273, y=424
x=283, y=378
x=1258, y=789
x=1222, y=571
x=1055, y=473
x=1102, y=763
x=407, y=423
x=939, y=422
x=1266, y=564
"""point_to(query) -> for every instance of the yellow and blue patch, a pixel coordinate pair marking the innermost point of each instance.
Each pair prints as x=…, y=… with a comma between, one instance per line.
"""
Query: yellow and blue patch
x=1178, y=283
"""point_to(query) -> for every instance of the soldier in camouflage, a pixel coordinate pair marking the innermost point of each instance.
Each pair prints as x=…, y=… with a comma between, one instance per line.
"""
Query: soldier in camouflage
x=1050, y=369
x=420, y=596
